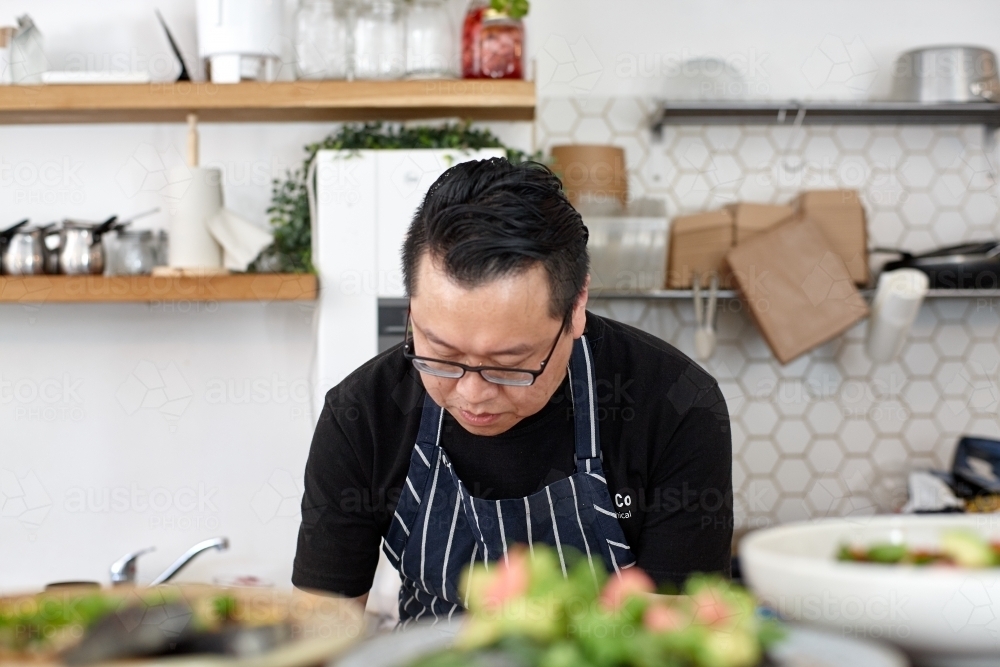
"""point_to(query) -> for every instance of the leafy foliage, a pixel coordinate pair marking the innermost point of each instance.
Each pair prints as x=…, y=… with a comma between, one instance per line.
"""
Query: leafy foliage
x=291, y=251
x=513, y=8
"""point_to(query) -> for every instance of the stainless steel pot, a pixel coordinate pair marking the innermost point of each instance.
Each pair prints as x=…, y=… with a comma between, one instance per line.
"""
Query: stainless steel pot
x=80, y=249
x=946, y=74
x=25, y=252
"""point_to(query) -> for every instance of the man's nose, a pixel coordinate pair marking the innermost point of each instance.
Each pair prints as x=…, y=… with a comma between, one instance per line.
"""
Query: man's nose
x=474, y=389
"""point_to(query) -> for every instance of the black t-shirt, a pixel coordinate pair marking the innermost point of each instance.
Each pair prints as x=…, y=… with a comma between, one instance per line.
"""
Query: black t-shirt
x=665, y=442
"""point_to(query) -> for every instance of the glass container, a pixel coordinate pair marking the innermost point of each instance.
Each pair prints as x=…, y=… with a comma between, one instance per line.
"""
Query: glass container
x=380, y=40
x=322, y=39
x=471, y=27
x=430, y=40
x=135, y=253
x=501, y=46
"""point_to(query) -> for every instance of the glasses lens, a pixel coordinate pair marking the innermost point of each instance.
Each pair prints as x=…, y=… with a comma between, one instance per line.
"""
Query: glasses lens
x=438, y=368
x=509, y=378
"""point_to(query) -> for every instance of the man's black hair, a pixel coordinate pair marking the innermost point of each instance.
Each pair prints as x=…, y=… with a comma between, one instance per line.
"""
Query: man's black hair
x=489, y=219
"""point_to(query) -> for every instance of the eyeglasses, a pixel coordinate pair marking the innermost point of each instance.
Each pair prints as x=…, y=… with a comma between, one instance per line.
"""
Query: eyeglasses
x=510, y=377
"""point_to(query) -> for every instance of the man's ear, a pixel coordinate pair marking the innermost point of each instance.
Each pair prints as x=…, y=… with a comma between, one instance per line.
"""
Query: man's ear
x=578, y=322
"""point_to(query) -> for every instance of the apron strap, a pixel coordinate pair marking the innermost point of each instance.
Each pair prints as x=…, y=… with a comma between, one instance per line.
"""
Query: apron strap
x=586, y=434
x=431, y=419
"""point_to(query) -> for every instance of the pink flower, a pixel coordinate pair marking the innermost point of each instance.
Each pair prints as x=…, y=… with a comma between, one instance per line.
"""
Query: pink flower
x=618, y=589
x=710, y=610
x=661, y=618
x=510, y=580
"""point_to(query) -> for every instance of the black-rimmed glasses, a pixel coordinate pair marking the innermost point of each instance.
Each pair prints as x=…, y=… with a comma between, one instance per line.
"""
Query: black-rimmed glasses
x=510, y=377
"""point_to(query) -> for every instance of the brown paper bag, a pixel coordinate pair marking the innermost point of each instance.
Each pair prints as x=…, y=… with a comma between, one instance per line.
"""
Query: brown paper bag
x=796, y=287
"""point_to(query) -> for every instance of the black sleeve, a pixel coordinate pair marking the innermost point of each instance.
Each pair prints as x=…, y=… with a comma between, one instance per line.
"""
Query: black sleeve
x=339, y=537
x=688, y=525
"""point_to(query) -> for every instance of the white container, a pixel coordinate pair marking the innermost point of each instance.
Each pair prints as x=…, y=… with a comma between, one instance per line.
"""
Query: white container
x=941, y=616
x=240, y=38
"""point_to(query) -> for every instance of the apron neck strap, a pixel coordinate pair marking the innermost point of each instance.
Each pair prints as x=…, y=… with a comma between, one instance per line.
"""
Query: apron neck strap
x=586, y=435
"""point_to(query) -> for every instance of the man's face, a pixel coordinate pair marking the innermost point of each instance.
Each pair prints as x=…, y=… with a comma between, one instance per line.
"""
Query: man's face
x=505, y=322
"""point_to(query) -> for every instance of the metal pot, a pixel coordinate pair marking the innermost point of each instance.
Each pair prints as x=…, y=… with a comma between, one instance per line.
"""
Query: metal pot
x=25, y=252
x=5, y=237
x=80, y=249
x=946, y=74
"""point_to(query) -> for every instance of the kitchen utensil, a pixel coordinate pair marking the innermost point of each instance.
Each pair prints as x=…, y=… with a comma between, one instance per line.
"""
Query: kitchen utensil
x=946, y=74
x=25, y=252
x=80, y=249
x=894, y=308
x=704, y=333
x=974, y=265
x=5, y=237
x=183, y=75
x=932, y=613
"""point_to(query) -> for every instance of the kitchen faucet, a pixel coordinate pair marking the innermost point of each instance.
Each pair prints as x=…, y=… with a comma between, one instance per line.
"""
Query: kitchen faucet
x=123, y=570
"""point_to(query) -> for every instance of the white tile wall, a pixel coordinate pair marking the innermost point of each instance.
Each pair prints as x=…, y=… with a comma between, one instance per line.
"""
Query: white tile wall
x=831, y=433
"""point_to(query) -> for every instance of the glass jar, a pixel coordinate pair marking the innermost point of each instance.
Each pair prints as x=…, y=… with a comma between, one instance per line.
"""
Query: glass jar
x=501, y=47
x=322, y=40
x=135, y=253
x=471, y=27
x=380, y=40
x=430, y=40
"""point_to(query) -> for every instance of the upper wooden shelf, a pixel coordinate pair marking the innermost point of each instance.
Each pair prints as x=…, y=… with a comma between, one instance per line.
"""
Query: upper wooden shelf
x=476, y=99
x=259, y=287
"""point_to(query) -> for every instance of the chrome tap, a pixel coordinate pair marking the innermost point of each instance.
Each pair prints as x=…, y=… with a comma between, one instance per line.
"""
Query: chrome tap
x=123, y=570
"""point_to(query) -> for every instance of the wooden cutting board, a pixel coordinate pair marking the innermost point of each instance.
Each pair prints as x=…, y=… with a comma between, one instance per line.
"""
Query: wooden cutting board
x=796, y=287
x=321, y=627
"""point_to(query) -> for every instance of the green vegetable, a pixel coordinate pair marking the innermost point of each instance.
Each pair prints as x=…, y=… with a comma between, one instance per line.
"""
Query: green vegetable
x=887, y=553
x=967, y=549
x=291, y=251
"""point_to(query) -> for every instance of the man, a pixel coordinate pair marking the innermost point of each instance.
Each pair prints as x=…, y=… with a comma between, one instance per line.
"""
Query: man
x=512, y=415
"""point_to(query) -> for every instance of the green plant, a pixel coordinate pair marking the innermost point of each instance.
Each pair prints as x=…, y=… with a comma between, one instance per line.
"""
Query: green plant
x=513, y=8
x=289, y=214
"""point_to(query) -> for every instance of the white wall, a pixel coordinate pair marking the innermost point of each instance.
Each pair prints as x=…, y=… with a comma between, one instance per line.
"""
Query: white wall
x=70, y=402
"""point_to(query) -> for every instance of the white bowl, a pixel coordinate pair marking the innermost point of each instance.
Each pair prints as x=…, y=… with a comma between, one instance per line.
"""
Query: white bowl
x=941, y=616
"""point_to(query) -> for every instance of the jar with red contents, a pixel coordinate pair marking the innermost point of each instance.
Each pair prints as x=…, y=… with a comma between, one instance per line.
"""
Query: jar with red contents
x=492, y=44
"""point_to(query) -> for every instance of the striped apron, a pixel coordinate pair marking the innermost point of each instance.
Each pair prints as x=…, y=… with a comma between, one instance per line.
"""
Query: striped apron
x=439, y=529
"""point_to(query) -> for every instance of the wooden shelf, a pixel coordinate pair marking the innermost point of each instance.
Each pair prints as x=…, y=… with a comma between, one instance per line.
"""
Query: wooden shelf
x=266, y=102
x=259, y=287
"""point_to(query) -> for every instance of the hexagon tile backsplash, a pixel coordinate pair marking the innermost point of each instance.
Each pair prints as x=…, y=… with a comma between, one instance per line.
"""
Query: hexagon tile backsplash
x=832, y=433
